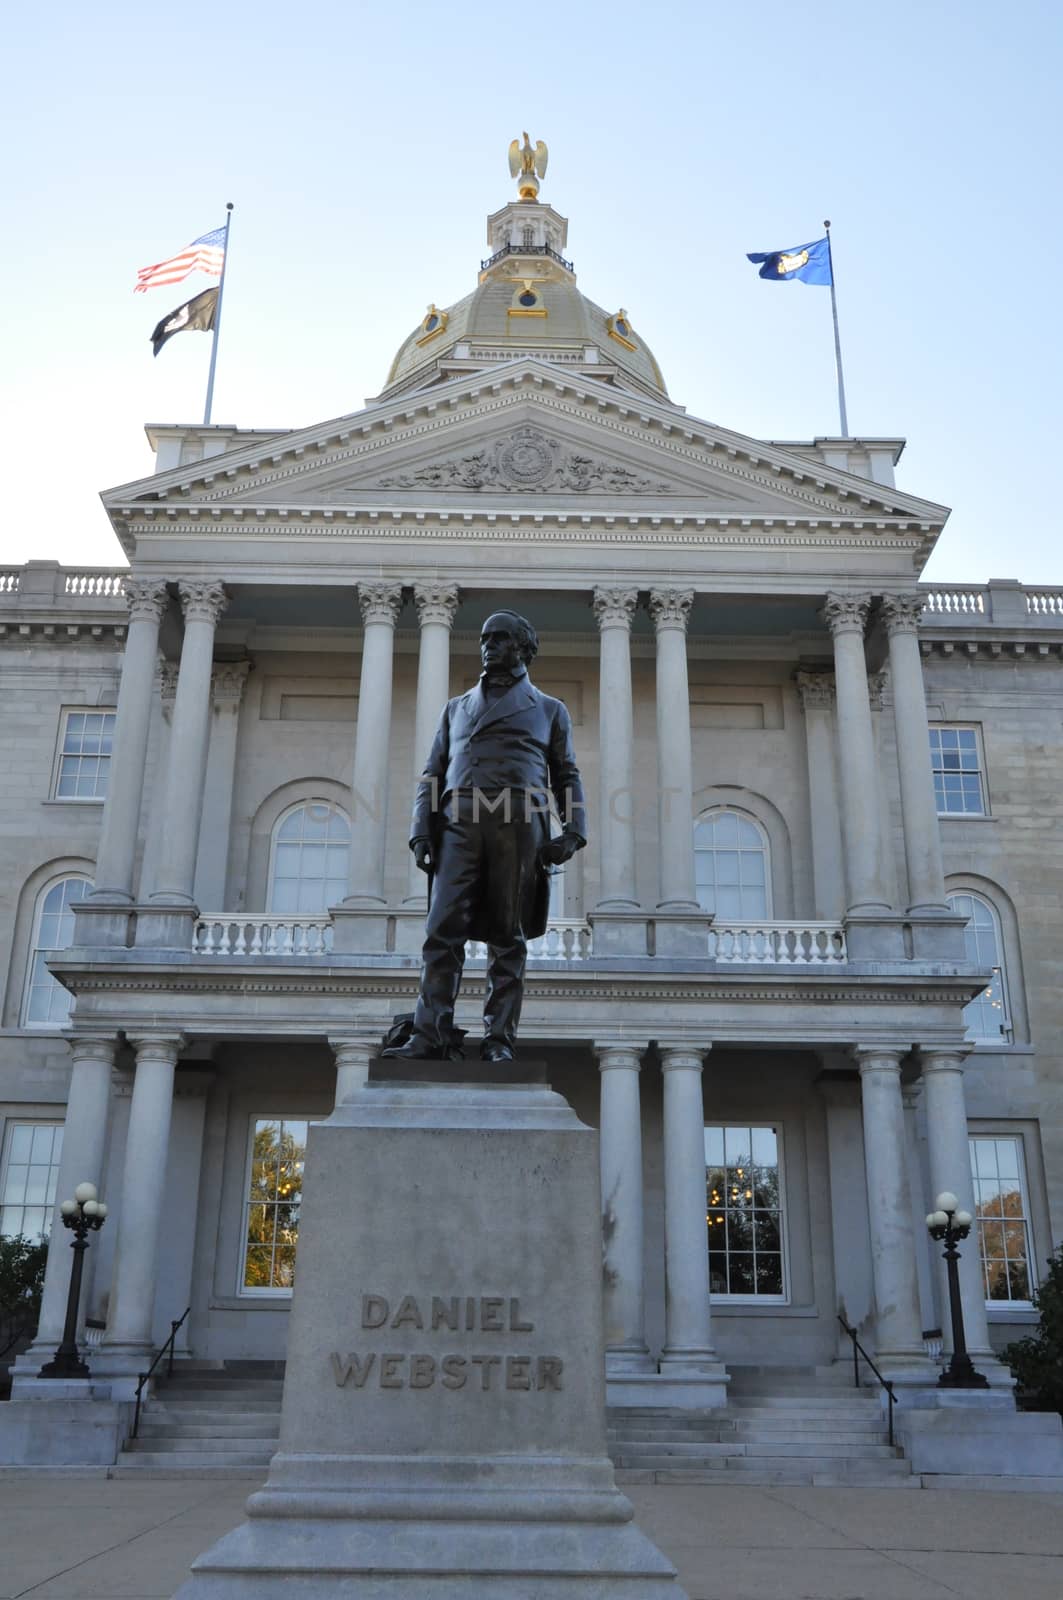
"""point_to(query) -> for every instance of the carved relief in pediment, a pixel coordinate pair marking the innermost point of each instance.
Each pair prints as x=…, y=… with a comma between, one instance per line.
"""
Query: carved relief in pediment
x=527, y=460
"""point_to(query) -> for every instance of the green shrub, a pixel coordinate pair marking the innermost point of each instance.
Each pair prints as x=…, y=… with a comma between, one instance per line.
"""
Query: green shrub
x=21, y=1281
x=1037, y=1361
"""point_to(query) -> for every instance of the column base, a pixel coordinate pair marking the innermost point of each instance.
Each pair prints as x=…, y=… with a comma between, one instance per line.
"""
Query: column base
x=872, y=935
x=619, y=933
x=102, y=923
x=681, y=932
x=166, y=927
x=673, y=1388
x=121, y=1366
x=628, y=1358
x=361, y=930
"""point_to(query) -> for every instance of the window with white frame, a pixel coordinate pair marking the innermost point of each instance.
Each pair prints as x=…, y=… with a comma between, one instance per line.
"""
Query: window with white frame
x=309, y=858
x=1002, y=1213
x=46, y=1003
x=84, y=763
x=987, y=1016
x=731, y=866
x=29, y=1172
x=959, y=770
x=273, y=1194
x=744, y=1212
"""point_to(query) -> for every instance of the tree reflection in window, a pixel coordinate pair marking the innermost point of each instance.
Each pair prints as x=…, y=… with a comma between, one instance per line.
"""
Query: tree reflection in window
x=278, y=1154
x=743, y=1211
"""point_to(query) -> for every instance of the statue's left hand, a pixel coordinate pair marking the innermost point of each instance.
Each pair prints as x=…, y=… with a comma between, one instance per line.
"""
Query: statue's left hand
x=557, y=851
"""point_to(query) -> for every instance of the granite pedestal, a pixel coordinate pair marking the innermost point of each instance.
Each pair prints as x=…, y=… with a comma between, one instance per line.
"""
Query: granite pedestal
x=443, y=1422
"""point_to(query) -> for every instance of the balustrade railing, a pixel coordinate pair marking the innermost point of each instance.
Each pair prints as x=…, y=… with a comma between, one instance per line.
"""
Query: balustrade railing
x=1044, y=602
x=103, y=582
x=814, y=944
x=263, y=936
x=955, y=602
x=565, y=939
x=9, y=582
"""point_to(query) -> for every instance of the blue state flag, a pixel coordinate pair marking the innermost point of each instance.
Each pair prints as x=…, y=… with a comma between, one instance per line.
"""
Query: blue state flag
x=809, y=262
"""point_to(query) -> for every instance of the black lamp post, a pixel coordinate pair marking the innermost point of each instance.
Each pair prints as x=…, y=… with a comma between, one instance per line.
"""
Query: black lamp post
x=951, y=1225
x=83, y=1215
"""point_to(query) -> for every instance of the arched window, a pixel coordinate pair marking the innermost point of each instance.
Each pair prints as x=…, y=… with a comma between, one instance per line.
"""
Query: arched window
x=987, y=1016
x=731, y=866
x=47, y=1004
x=308, y=860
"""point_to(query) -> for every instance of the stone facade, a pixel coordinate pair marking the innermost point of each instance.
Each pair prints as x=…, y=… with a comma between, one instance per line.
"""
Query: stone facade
x=717, y=612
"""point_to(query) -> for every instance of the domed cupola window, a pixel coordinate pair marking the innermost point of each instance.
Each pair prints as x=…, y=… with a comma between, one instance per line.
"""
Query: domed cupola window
x=619, y=326
x=527, y=301
x=433, y=324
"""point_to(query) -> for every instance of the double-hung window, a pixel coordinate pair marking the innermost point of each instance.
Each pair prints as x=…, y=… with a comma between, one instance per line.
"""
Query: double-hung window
x=959, y=770
x=744, y=1212
x=84, y=763
x=1002, y=1214
x=29, y=1172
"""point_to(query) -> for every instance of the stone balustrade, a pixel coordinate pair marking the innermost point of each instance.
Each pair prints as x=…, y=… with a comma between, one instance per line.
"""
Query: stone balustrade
x=772, y=943
x=222, y=935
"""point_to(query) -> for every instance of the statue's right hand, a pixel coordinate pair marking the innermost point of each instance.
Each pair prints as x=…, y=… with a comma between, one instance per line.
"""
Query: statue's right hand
x=422, y=854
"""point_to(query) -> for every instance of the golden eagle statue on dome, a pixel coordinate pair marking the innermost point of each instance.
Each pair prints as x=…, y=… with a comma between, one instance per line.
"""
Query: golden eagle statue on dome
x=525, y=162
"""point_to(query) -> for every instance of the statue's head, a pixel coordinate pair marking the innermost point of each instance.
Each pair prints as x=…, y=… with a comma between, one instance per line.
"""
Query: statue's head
x=507, y=639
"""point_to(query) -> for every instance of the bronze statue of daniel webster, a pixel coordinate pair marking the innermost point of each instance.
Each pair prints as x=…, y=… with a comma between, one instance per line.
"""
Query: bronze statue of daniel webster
x=481, y=830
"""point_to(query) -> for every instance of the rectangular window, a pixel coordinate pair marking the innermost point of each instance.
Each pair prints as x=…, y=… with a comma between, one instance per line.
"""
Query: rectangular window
x=84, y=755
x=744, y=1213
x=959, y=771
x=1002, y=1214
x=29, y=1173
x=273, y=1195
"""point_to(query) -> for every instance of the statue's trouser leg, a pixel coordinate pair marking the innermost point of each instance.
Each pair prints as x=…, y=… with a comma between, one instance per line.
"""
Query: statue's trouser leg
x=455, y=891
x=505, y=991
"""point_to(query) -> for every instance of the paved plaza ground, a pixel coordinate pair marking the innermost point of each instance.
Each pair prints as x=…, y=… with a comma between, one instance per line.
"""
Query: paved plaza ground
x=85, y=1537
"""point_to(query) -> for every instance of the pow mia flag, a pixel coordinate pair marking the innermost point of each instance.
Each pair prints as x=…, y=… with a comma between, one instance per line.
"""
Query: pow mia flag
x=199, y=312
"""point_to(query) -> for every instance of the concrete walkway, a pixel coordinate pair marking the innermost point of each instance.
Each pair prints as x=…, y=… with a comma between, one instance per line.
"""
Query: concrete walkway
x=85, y=1537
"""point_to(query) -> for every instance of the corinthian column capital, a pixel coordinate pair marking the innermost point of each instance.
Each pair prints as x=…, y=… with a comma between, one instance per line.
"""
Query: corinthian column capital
x=146, y=599
x=815, y=690
x=202, y=599
x=380, y=602
x=670, y=608
x=901, y=612
x=436, y=602
x=614, y=607
x=228, y=682
x=846, y=613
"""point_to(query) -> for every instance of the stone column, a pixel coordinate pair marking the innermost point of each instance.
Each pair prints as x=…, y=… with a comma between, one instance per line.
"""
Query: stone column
x=688, y=1323
x=129, y=1321
x=84, y=1137
x=146, y=599
x=846, y=616
x=922, y=836
x=203, y=601
x=437, y=605
x=166, y=681
x=670, y=610
x=898, y=1328
x=620, y=1144
x=614, y=609
x=227, y=692
x=816, y=693
x=950, y=1169
x=353, y=1055
x=380, y=604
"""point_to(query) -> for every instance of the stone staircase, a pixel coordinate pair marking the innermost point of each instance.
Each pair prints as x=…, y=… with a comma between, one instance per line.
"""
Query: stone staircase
x=214, y=1419
x=780, y=1425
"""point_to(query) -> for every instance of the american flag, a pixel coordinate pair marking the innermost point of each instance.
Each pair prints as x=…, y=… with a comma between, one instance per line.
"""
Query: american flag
x=207, y=253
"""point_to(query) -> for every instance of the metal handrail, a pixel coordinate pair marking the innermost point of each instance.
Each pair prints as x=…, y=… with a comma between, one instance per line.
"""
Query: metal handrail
x=525, y=250
x=144, y=1376
x=858, y=1351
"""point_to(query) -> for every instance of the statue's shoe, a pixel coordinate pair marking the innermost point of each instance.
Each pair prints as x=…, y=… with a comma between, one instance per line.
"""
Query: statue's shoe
x=417, y=1048
x=496, y=1050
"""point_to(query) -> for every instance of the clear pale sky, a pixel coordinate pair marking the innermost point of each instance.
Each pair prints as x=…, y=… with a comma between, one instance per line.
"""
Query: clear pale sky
x=364, y=144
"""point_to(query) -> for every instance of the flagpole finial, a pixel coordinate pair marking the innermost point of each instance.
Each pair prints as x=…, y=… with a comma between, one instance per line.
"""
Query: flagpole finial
x=826, y=223
x=229, y=207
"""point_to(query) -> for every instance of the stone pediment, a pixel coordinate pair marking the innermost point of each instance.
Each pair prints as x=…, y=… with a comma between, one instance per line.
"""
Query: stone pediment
x=528, y=461
x=522, y=431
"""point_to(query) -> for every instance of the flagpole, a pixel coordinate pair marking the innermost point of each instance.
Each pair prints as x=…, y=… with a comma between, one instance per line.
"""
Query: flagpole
x=217, y=315
x=837, y=339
